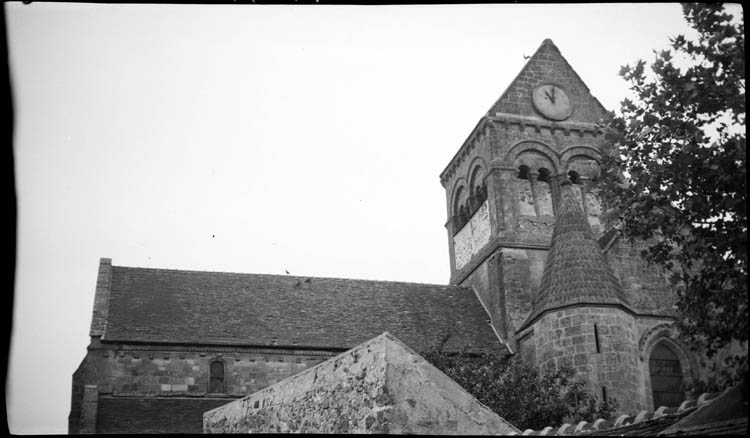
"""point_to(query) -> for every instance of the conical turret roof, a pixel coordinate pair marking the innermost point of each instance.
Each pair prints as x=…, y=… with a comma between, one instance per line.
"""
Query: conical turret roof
x=576, y=271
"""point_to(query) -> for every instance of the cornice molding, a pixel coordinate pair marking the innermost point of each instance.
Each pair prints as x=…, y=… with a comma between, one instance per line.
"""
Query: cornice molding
x=489, y=249
x=530, y=322
x=566, y=127
x=483, y=127
x=480, y=131
x=146, y=349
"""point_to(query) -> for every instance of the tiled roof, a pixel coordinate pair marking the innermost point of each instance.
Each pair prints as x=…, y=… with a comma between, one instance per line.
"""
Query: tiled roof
x=172, y=306
x=576, y=271
x=711, y=414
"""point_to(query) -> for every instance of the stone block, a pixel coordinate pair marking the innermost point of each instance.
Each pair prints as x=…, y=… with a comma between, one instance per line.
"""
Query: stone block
x=572, y=331
x=580, y=359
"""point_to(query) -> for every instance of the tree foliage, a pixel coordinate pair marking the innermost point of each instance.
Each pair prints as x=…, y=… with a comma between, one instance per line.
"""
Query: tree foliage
x=519, y=393
x=674, y=172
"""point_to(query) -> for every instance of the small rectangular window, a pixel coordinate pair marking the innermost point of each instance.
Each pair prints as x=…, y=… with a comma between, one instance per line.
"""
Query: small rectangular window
x=596, y=337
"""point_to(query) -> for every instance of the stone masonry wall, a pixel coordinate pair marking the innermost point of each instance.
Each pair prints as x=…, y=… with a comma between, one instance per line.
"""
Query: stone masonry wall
x=484, y=282
x=320, y=401
x=522, y=274
x=380, y=386
x=472, y=237
x=569, y=337
x=170, y=373
x=505, y=283
x=179, y=375
x=154, y=414
x=647, y=287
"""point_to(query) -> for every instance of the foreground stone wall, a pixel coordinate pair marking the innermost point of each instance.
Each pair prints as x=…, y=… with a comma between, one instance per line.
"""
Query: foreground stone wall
x=380, y=386
x=425, y=401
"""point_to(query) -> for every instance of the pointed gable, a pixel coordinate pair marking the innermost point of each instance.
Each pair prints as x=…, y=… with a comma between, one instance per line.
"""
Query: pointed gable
x=547, y=65
x=379, y=386
x=576, y=271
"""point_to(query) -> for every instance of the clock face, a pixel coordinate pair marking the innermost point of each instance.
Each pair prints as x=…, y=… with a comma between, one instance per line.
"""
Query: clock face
x=552, y=102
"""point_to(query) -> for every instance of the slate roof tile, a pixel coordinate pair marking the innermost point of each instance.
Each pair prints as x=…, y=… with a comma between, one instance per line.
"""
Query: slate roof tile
x=196, y=307
x=576, y=271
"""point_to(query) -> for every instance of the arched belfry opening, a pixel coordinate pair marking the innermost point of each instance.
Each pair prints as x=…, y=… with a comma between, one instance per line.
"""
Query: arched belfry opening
x=583, y=172
x=525, y=192
x=468, y=199
x=460, y=212
x=534, y=191
x=666, y=376
x=543, y=194
x=478, y=189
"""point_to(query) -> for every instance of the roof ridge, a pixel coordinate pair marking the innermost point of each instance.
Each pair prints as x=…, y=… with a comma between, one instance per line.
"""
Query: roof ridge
x=446, y=286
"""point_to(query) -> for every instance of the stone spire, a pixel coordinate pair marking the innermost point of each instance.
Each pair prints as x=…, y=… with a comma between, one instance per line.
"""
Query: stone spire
x=576, y=272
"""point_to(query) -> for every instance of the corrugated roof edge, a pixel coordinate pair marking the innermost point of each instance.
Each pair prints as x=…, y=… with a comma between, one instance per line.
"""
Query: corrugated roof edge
x=600, y=425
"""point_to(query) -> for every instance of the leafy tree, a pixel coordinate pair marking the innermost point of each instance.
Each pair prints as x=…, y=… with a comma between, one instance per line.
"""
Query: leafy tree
x=674, y=173
x=519, y=393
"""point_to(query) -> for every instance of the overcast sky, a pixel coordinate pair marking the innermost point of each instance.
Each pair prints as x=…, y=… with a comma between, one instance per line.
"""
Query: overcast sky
x=255, y=139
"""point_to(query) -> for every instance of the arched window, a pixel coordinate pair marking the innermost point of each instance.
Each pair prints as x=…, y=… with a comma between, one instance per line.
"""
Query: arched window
x=666, y=377
x=582, y=186
x=577, y=188
x=459, y=210
x=216, y=380
x=479, y=191
x=525, y=193
x=543, y=193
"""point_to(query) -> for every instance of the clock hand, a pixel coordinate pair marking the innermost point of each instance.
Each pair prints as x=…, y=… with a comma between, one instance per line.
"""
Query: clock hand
x=550, y=97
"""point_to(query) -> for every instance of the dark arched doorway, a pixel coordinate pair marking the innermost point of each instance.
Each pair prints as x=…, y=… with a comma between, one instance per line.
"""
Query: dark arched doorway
x=216, y=382
x=666, y=377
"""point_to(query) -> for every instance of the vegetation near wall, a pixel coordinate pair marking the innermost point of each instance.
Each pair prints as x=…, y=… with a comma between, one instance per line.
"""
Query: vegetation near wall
x=674, y=175
x=521, y=394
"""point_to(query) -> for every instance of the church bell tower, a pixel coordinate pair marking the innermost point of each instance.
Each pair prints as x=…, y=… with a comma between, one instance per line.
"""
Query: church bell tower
x=503, y=185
